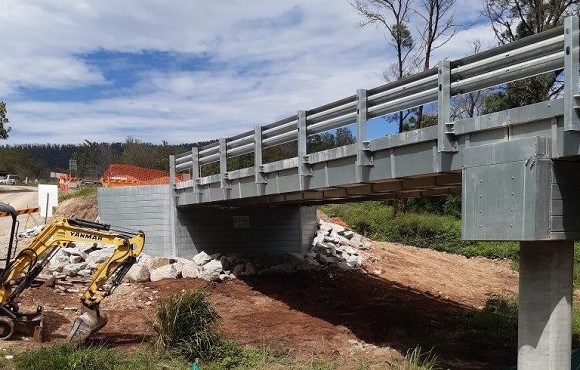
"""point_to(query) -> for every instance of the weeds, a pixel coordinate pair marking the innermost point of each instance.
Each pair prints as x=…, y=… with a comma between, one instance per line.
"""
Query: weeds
x=232, y=355
x=495, y=323
x=417, y=360
x=188, y=325
x=83, y=192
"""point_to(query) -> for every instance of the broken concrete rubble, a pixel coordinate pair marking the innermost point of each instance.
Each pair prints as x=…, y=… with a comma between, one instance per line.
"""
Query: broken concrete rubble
x=201, y=258
x=139, y=273
x=72, y=269
x=333, y=246
x=100, y=255
x=164, y=272
x=211, y=270
x=190, y=270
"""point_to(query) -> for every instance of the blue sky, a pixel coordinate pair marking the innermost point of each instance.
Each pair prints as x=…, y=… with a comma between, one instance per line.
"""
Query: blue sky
x=186, y=70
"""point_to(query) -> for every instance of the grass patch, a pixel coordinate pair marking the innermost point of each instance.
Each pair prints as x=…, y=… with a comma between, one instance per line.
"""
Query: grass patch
x=495, y=324
x=418, y=360
x=83, y=192
x=67, y=357
x=188, y=325
x=231, y=356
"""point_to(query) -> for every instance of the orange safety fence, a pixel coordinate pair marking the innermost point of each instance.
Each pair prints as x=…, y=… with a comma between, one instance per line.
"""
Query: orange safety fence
x=65, y=182
x=126, y=175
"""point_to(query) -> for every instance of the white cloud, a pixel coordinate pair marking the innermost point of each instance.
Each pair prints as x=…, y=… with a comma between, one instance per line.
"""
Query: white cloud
x=268, y=58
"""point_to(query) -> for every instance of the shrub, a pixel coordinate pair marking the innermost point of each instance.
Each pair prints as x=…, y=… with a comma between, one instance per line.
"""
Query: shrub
x=188, y=324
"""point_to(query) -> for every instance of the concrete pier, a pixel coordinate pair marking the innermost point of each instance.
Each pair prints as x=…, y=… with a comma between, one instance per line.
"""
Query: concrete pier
x=545, y=305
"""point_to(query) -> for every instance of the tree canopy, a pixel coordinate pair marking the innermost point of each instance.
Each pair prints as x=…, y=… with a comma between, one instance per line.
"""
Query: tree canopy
x=4, y=128
x=512, y=20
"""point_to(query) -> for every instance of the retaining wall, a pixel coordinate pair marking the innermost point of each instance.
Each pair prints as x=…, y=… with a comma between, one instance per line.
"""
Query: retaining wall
x=186, y=231
x=146, y=208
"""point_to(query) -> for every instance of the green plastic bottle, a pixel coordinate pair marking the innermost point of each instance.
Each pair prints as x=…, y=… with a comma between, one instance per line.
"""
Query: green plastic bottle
x=195, y=365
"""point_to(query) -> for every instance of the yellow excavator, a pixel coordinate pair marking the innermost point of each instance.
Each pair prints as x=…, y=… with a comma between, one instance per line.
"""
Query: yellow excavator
x=22, y=269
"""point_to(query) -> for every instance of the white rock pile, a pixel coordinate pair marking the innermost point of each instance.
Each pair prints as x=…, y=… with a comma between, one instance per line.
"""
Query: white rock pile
x=80, y=259
x=333, y=246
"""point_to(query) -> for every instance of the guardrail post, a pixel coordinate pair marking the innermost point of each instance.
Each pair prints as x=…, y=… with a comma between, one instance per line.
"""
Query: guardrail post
x=303, y=170
x=364, y=155
x=172, y=172
x=571, y=74
x=259, y=175
x=195, y=173
x=445, y=142
x=225, y=184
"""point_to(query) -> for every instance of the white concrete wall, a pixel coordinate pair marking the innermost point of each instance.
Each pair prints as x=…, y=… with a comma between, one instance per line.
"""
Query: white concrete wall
x=145, y=208
x=248, y=230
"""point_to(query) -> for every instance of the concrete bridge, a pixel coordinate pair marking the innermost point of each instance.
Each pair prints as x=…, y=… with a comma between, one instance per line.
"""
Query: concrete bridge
x=517, y=171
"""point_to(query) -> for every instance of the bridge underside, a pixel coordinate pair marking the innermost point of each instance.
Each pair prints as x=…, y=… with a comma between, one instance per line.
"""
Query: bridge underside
x=410, y=187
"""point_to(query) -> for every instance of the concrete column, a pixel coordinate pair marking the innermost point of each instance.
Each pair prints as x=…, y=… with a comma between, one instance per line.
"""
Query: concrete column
x=545, y=305
x=172, y=205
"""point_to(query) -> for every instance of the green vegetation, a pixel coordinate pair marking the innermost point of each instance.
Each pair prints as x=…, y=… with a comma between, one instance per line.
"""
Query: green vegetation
x=176, y=344
x=440, y=232
x=36, y=161
x=82, y=192
x=67, y=357
x=417, y=360
x=189, y=326
x=432, y=224
x=235, y=356
x=495, y=323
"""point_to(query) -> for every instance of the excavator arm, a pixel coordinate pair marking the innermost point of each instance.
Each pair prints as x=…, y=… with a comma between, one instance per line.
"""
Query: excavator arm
x=21, y=271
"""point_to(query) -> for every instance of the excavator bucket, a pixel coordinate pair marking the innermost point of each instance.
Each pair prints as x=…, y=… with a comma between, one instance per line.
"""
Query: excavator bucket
x=87, y=323
x=31, y=324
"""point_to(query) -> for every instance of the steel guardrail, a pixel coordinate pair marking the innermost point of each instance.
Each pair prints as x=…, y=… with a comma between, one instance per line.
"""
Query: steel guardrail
x=528, y=57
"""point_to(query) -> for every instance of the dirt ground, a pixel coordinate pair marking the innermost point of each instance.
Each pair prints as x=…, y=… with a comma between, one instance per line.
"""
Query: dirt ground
x=403, y=297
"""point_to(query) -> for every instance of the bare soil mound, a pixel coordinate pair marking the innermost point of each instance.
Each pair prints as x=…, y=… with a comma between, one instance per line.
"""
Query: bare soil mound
x=85, y=208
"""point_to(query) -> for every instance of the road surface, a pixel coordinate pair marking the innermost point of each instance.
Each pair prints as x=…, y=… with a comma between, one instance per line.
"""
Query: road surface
x=19, y=197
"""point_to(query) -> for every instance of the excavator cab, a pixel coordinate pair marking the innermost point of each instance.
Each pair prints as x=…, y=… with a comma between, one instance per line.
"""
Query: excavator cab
x=8, y=210
x=23, y=267
x=11, y=320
